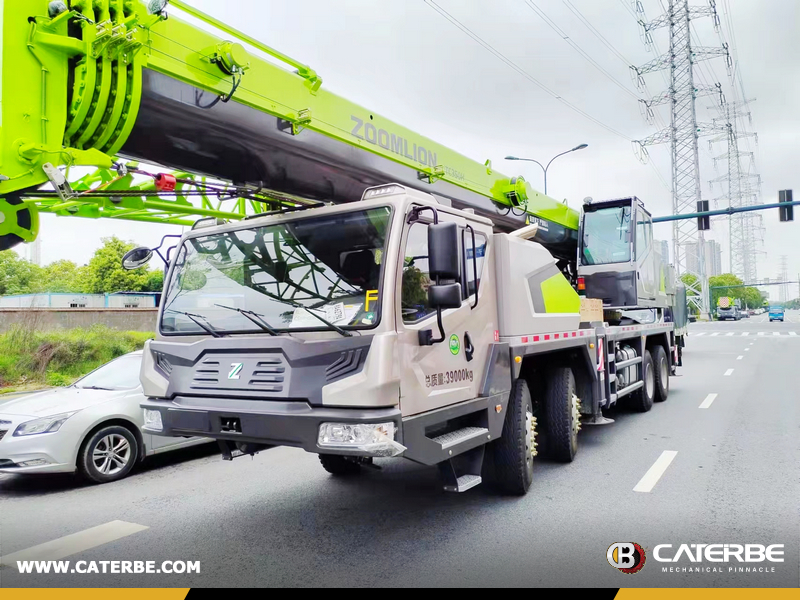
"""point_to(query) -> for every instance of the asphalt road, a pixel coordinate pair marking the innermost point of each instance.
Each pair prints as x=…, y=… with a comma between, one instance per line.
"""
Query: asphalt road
x=280, y=520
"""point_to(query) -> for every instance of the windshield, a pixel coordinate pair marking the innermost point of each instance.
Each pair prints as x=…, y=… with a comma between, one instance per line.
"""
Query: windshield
x=606, y=236
x=291, y=276
x=775, y=309
x=119, y=374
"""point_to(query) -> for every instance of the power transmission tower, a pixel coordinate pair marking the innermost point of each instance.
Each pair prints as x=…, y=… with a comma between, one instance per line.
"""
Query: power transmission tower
x=784, y=277
x=684, y=130
x=744, y=228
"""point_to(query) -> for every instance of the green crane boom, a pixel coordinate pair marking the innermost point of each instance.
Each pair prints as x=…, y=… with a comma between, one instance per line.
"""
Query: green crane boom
x=98, y=82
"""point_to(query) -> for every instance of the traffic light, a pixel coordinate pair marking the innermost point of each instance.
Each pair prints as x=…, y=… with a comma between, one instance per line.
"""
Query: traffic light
x=786, y=212
x=703, y=223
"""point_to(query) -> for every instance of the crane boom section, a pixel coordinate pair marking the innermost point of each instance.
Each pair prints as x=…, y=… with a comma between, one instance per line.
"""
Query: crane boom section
x=109, y=78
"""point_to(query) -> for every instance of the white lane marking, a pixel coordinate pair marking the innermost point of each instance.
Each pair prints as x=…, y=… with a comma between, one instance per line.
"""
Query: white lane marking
x=701, y=333
x=731, y=334
x=728, y=373
x=75, y=543
x=715, y=334
x=792, y=333
x=650, y=479
x=708, y=401
x=776, y=333
x=747, y=349
x=762, y=333
x=739, y=357
x=745, y=334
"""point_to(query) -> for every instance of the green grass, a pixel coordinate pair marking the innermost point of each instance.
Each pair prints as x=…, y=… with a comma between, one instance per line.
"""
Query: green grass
x=31, y=358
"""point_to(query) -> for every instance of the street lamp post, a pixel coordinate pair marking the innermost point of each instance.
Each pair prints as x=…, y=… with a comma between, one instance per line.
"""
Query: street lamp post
x=576, y=148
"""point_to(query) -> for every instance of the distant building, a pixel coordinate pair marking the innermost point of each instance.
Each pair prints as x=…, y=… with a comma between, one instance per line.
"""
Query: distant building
x=117, y=300
x=663, y=246
x=713, y=258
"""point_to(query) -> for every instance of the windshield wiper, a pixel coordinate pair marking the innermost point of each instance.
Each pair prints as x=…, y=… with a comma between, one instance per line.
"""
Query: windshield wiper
x=252, y=316
x=196, y=319
x=94, y=387
x=336, y=328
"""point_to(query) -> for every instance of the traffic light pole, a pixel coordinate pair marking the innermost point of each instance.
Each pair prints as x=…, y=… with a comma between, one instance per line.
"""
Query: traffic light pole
x=724, y=211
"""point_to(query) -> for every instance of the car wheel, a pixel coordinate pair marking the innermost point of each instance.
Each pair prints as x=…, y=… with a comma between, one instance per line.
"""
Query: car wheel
x=339, y=465
x=512, y=455
x=108, y=454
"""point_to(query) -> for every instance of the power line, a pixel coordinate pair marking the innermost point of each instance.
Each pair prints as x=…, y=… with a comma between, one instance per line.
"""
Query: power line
x=596, y=33
x=563, y=35
x=520, y=70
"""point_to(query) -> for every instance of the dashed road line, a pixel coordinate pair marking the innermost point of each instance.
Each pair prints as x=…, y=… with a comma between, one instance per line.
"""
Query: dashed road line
x=715, y=334
x=75, y=543
x=739, y=357
x=747, y=349
x=728, y=373
x=745, y=334
x=650, y=479
x=731, y=334
x=701, y=334
x=708, y=401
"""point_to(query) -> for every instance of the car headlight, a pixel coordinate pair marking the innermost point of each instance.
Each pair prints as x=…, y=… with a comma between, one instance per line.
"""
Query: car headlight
x=43, y=425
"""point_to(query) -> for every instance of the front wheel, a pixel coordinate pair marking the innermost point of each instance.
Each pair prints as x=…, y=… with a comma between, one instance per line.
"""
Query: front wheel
x=513, y=453
x=339, y=465
x=109, y=454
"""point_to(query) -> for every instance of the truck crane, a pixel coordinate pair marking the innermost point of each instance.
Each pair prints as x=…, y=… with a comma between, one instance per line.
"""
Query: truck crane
x=351, y=287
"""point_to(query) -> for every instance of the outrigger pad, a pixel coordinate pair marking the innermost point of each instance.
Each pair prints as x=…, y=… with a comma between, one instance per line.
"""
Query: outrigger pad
x=19, y=222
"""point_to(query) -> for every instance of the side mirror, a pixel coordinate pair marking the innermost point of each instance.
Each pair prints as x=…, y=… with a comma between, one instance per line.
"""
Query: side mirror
x=442, y=297
x=443, y=251
x=136, y=258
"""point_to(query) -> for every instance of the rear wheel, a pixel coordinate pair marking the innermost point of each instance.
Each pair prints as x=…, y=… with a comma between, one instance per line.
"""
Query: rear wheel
x=562, y=415
x=642, y=399
x=513, y=453
x=661, y=369
x=339, y=465
x=109, y=454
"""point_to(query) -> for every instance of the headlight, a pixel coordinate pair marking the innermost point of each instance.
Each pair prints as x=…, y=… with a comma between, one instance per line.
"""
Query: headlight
x=43, y=425
x=371, y=439
x=152, y=420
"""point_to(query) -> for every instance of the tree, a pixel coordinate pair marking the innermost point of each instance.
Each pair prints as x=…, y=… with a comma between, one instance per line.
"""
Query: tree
x=719, y=282
x=17, y=275
x=64, y=276
x=105, y=274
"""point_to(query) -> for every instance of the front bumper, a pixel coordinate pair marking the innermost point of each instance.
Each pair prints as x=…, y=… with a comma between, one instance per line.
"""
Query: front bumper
x=50, y=451
x=262, y=422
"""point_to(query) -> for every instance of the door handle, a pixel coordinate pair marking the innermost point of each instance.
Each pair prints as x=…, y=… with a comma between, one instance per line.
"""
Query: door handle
x=469, y=349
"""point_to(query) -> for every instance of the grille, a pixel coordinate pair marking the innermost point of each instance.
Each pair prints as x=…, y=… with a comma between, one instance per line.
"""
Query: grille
x=269, y=375
x=3, y=432
x=206, y=375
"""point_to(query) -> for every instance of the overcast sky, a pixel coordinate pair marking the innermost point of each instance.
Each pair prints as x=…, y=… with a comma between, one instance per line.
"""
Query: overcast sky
x=406, y=61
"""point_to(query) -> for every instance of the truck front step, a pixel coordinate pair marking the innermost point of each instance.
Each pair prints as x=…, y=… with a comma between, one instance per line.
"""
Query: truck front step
x=596, y=420
x=464, y=483
x=462, y=472
x=455, y=438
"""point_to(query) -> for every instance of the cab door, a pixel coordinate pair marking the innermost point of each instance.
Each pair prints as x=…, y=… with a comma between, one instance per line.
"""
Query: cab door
x=451, y=371
x=647, y=268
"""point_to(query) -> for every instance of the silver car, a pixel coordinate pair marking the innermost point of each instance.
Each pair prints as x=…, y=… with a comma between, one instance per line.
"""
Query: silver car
x=93, y=426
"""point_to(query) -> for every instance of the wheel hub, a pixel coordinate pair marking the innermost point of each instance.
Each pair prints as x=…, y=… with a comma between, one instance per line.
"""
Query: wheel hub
x=530, y=436
x=111, y=454
x=576, y=414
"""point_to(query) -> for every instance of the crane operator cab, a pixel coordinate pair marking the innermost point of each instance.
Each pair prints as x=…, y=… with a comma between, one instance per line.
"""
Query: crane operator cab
x=618, y=259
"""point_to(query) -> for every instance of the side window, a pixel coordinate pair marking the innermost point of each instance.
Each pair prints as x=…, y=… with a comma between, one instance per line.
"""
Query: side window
x=479, y=252
x=644, y=232
x=416, y=280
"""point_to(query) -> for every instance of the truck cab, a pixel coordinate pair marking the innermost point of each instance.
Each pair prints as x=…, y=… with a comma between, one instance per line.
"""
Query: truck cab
x=618, y=261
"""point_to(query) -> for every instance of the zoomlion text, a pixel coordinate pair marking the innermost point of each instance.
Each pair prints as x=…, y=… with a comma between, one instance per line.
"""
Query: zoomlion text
x=127, y=567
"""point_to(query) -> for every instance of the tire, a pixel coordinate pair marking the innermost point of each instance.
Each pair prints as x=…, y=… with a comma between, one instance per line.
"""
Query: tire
x=661, y=371
x=339, y=465
x=108, y=454
x=513, y=453
x=562, y=419
x=642, y=399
